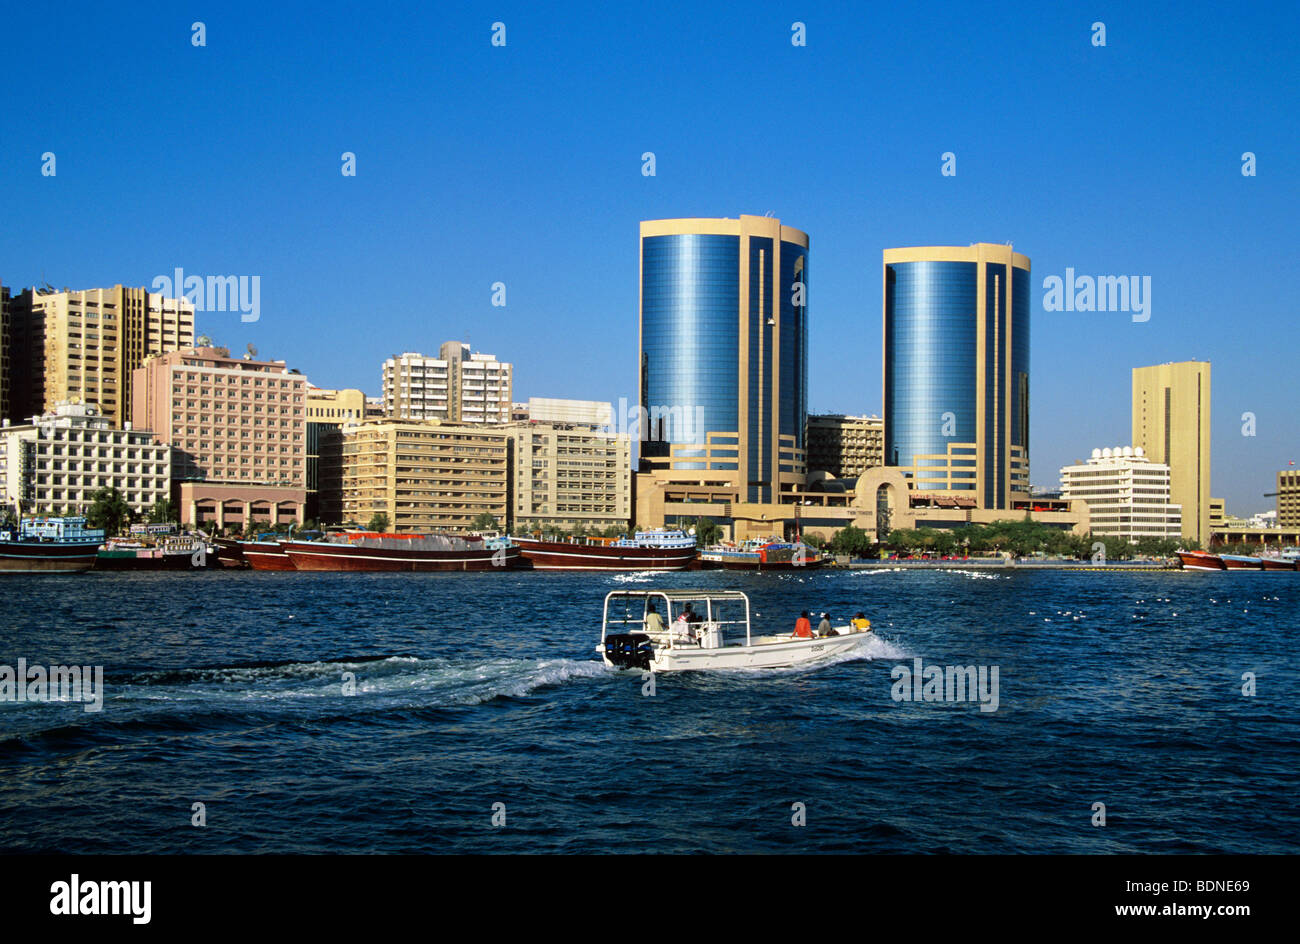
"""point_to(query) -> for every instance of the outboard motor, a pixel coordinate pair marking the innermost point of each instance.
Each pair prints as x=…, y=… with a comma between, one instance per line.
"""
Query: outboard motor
x=629, y=650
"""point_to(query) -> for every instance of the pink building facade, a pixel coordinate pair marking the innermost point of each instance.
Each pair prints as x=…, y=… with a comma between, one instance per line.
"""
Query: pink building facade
x=237, y=428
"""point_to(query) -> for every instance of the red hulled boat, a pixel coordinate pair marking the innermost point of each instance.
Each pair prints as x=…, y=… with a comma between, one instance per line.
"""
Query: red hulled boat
x=648, y=550
x=1200, y=560
x=266, y=555
x=372, y=551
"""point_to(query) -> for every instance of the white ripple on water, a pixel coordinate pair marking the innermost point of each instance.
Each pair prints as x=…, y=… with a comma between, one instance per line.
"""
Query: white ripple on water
x=397, y=680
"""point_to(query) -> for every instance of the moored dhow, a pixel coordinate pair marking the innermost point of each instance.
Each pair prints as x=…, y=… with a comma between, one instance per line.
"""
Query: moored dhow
x=375, y=551
x=173, y=552
x=1200, y=560
x=760, y=555
x=266, y=552
x=49, y=545
x=1241, y=562
x=656, y=549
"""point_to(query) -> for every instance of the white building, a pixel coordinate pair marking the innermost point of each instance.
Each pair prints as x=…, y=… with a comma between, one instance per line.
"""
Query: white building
x=59, y=460
x=1127, y=494
x=457, y=386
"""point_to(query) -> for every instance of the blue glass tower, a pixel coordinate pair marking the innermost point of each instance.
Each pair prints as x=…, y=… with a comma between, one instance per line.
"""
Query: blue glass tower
x=724, y=366
x=956, y=370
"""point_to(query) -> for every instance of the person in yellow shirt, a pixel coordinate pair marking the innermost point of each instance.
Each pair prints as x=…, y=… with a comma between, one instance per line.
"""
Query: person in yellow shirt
x=654, y=623
x=860, y=622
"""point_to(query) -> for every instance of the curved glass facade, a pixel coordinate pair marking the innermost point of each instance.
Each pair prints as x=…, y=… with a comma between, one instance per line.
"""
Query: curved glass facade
x=930, y=358
x=690, y=299
x=957, y=370
x=724, y=339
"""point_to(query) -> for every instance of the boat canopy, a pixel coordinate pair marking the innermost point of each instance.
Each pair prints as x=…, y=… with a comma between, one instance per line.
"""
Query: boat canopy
x=625, y=610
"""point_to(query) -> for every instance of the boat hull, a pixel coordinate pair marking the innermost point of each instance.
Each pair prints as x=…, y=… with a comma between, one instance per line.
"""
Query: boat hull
x=19, y=557
x=1243, y=563
x=1278, y=564
x=232, y=555
x=129, y=560
x=754, y=564
x=562, y=555
x=264, y=555
x=1200, y=561
x=323, y=556
x=779, y=653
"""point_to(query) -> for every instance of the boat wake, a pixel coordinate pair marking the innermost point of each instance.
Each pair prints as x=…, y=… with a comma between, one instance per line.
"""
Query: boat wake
x=401, y=680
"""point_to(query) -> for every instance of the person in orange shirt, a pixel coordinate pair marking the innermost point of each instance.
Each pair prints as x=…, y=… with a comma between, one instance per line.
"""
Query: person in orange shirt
x=803, y=627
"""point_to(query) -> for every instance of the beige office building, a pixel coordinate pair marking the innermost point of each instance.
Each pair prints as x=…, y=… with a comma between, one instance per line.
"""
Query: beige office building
x=1126, y=493
x=424, y=476
x=1288, y=499
x=570, y=473
x=85, y=345
x=238, y=427
x=1171, y=423
x=457, y=386
x=327, y=412
x=59, y=460
x=845, y=446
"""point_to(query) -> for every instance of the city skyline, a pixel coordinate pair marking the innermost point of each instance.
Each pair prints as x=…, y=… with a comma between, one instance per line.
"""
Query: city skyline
x=1106, y=158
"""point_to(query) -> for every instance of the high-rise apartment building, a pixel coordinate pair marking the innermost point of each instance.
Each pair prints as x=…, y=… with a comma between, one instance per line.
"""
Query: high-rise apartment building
x=238, y=428
x=1126, y=493
x=1288, y=499
x=58, y=461
x=723, y=371
x=1171, y=422
x=83, y=346
x=424, y=476
x=845, y=446
x=456, y=386
x=956, y=371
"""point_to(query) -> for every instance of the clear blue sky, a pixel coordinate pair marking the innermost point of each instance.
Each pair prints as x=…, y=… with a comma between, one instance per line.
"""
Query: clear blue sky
x=521, y=164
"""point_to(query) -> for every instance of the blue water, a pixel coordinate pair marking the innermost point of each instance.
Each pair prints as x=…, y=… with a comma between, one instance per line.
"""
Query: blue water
x=479, y=689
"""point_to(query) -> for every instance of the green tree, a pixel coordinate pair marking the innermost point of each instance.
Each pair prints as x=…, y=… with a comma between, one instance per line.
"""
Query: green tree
x=378, y=522
x=707, y=531
x=485, y=521
x=108, y=510
x=852, y=541
x=162, y=512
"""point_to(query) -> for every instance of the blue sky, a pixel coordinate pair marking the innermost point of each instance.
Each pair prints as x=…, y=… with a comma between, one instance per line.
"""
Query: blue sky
x=521, y=164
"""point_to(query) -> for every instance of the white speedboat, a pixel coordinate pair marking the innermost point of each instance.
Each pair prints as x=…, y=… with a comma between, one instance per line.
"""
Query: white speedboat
x=716, y=633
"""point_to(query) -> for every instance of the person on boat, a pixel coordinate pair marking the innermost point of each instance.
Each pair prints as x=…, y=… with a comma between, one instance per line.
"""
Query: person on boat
x=861, y=622
x=824, y=628
x=654, y=623
x=687, y=622
x=803, y=626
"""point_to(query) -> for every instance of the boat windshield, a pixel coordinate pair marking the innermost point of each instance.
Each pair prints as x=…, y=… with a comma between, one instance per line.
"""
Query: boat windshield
x=686, y=616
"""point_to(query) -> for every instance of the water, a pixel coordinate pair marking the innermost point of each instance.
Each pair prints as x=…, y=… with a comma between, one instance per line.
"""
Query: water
x=478, y=689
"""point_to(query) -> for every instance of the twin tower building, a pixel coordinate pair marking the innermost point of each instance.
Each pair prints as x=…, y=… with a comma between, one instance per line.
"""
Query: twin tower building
x=724, y=367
